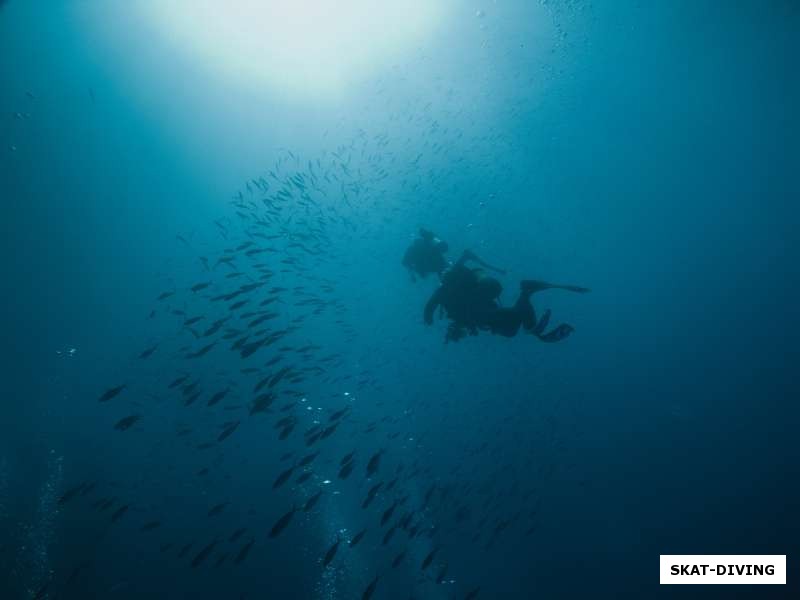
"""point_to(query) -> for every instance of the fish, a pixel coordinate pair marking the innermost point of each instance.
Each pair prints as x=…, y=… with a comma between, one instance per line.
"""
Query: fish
x=429, y=558
x=251, y=348
x=240, y=343
x=245, y=550
x=370, y=589
x=261, y=403
x=215, y=327
x=373, y=491
x=178, y=381
x=105, y=504
x=237, y=534
x=284, y=422
x=148, y=351
x=307, y=459
x=261, y=384
x=119, y=513
x=345, y=471
x=286, y=431
x=217, y=509
x=112, y=393
x=201, y=556
x=331, y=553
x=374, y=463
x=398, y=559
x=282, y=523
x=229, y=429
x=357, y=538
x=328, y=431
x=221, y=560
x=388, y=536
x=283, y=478
x=217, y=397
x=338, y=414
x=200, y=286
x=278, y=376
x=312, y=501
x=185, y=549
x=273, y=360
x=126, y=422
x=387, y=514
x=202, y=351
x=70, y=494
x=150, y=525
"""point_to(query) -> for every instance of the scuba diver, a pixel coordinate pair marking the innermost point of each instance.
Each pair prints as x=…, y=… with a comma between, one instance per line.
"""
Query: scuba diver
x=425, y=255
x=471, y=302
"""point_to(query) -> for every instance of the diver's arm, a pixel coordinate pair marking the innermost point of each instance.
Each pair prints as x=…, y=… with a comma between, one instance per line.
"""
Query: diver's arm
x=407, y=261
x=470, y=255
x=431, y=306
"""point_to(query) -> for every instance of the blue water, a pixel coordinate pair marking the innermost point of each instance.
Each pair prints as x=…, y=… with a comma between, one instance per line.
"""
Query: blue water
x=647, y=150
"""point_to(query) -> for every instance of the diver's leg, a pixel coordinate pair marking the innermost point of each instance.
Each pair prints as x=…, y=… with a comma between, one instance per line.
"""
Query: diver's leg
x=507, y=321
x=504, y=321
x=524, y=310
x=541, y=324
x=529, y=321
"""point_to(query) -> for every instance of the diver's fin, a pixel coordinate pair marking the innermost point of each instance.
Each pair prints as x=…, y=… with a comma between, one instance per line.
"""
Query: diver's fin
x=559, y=333
x=532, y=285
x=542, y=324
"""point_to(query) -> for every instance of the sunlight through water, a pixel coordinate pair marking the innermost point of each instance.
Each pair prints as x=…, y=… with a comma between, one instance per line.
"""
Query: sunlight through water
x=302, y=46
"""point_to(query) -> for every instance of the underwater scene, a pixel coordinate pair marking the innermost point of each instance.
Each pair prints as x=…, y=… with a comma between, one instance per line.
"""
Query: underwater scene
x=397, y=299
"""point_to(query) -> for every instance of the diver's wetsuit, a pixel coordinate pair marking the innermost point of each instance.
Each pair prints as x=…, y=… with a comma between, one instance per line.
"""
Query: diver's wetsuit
x=456, y=295
x=463, y=298
x=471, y=304
x=507, y=321
x=425, y=255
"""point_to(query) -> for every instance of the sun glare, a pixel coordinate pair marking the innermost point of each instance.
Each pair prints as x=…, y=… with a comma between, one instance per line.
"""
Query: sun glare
x=310, y=46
